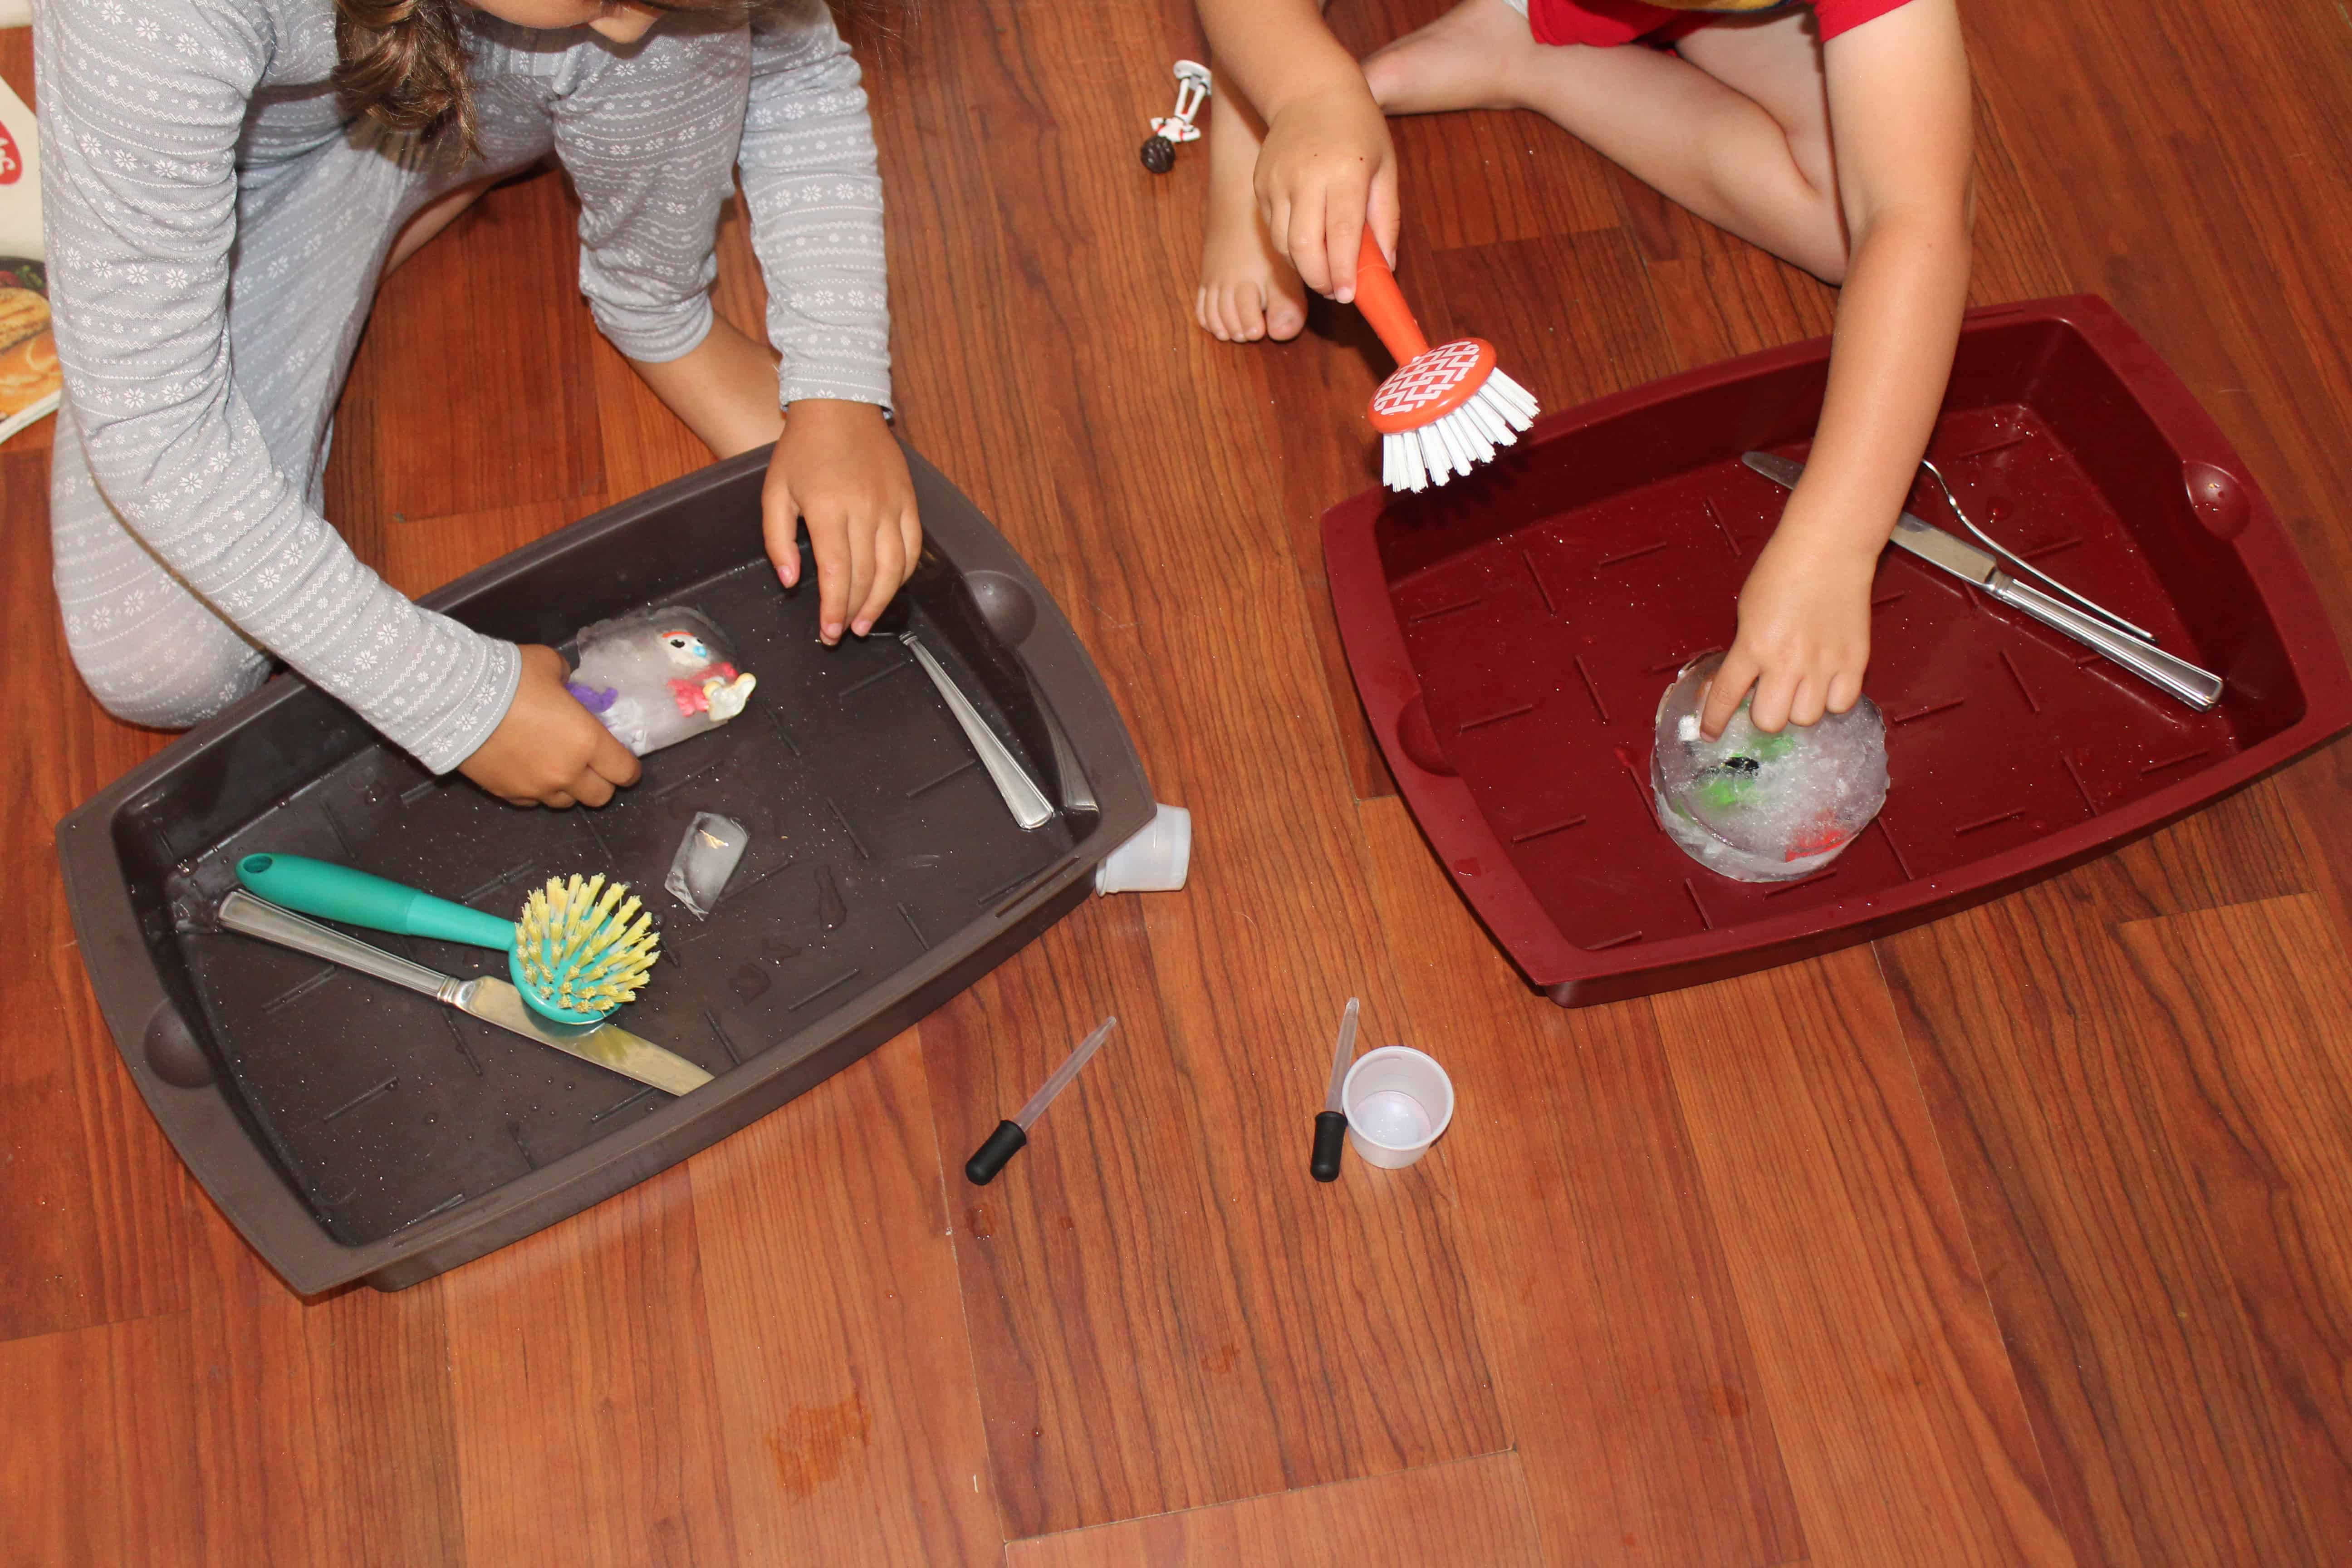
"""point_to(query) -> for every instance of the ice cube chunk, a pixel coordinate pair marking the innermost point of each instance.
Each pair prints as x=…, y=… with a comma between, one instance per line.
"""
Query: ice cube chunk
x=705, y=858
x=1758, y=807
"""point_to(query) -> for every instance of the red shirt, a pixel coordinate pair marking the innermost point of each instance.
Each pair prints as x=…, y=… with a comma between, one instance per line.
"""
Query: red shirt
x=1605, y=23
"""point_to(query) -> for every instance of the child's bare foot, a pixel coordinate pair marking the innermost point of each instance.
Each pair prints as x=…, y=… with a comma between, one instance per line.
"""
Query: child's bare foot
x=1468, y=58
x=1247, y=291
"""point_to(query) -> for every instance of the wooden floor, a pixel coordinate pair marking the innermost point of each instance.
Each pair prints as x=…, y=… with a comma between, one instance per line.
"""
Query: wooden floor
x=2024, y=1237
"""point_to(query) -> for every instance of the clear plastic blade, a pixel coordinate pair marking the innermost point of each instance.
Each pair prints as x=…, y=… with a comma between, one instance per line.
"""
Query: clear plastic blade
x=1344, y=1055
x=1064, y=1074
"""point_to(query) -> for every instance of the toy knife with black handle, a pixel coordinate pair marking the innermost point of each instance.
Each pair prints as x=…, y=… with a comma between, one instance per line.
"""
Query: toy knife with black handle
x=2177, y=677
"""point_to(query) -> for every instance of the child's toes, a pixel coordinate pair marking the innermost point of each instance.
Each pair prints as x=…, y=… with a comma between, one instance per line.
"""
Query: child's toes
x=1245, y=313
x=1285, y=313
x=1209, y=311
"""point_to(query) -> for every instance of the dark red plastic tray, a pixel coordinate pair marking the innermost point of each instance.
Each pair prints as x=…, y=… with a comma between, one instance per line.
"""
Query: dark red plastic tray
x=1510, y=636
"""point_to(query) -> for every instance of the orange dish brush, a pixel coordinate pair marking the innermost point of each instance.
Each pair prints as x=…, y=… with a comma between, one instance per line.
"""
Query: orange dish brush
x=1442, y=410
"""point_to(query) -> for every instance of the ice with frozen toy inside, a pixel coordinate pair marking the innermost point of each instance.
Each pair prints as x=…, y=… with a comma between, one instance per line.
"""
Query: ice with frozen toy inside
x=659, y=677
x=1758, y=806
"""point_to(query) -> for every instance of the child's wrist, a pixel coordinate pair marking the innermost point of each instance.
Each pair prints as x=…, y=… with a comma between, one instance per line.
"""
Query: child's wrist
x=1314, y=78
x=1836, y=528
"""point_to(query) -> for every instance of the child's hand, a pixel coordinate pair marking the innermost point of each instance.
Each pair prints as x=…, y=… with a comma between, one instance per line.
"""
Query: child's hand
x=1804, y=635
x=548, y=749
x=1327, y=168
x=838, y=468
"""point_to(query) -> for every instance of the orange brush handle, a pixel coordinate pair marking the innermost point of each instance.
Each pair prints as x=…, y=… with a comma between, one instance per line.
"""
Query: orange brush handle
x=1382, y=303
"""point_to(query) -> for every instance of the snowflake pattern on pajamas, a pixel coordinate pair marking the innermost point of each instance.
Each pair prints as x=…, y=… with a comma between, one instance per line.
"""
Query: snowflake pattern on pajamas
x=216, y=228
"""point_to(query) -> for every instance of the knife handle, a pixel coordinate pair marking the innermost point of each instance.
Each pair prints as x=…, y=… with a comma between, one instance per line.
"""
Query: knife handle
x=2199, y=689
x=241, y=911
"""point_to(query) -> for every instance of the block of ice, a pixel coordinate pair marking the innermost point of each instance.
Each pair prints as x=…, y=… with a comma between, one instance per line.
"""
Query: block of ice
x=1758, y=807
x=658, y=677
x=705, y=858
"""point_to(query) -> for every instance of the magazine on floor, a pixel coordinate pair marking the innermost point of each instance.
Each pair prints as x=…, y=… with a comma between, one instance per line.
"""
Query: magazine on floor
x=30, y=381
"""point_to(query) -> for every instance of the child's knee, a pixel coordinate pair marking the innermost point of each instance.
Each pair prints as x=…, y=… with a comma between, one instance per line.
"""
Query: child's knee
x=173, y=691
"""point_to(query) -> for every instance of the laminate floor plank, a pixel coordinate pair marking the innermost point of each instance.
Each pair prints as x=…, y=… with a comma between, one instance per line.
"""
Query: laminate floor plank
x=1899, y=1418
x=1473, y=1513
x=1633, y=1394
x=492, y=303
x=91, y=1230
x=94, y=1452
x=323, y=1431
x=843, y=1384
x=2164, y=1240
x=584, y=1388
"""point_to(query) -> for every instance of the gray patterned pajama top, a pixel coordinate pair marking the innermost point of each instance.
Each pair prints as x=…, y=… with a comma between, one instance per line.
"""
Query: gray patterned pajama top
x=216, y=228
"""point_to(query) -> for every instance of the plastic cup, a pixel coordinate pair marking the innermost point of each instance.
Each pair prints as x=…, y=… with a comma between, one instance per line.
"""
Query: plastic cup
x=1399, y=1101
x=1155, y=860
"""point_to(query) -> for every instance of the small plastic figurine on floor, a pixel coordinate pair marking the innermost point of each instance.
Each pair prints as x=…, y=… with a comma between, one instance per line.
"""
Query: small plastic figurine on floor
x=1192, y=91
x=658, y=677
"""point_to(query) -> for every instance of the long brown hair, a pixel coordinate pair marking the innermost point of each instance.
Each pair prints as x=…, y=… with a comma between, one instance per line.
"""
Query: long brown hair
x=403, y=62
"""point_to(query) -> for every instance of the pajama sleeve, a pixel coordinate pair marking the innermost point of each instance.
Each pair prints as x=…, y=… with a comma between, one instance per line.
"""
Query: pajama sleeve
x=810, y=177
x=649, y=142
x=142, y=104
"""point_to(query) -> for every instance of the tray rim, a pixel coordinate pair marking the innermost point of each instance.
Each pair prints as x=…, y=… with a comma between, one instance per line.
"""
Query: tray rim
x=254, y=1196
x=1455, y=828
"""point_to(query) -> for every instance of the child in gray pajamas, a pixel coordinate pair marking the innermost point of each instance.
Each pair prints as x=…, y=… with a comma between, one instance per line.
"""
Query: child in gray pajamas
x=218, y=219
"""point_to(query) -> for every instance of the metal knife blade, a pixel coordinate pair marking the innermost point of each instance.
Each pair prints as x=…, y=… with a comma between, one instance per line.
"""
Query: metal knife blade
x=491, y=1000
x=2199, y=689
x=1921, y=538
x=607, y=1046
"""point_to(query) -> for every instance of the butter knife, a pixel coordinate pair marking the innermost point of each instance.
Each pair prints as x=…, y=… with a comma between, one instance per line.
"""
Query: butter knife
x=2177, y=677
x=492, y=1000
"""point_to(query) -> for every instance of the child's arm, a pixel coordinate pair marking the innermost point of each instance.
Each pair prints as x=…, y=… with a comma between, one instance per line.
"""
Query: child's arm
x=1326, y=166
x=142, y=108
x=1899, y=123
x=810, y=180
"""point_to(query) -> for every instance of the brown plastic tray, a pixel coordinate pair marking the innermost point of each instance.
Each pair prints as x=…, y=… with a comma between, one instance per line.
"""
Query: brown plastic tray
x=355, y=1131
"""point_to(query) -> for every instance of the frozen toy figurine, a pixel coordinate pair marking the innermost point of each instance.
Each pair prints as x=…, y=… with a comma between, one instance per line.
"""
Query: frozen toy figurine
x=658, y=677
x=1758, y=806
x=713, y=688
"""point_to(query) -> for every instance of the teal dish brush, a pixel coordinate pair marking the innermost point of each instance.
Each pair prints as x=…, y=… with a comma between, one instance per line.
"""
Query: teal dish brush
x=581, y=948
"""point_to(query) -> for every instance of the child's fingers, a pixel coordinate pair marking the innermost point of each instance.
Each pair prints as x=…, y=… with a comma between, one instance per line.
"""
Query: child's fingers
x=1776, y=692
x=1805, y=707
x=830, y=546
x=861, y=569
x=1723, y=694
x=780, y=523
x=1845, y=689
x=889, y=571
x=910, y=535
x=1384, y=212
x=1343, y=232
x=1276, y=209
x=591, y=788
x=612, y=762
x=1308, y=251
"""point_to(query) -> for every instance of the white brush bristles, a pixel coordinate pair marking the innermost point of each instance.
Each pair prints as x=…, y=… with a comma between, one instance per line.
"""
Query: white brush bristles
x=1454, y=445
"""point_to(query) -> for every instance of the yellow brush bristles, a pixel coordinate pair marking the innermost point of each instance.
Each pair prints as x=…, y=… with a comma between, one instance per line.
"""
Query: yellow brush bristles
x=577, y=949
